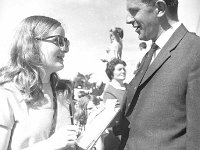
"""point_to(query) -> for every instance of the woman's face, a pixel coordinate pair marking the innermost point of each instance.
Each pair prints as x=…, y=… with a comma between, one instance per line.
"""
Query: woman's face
x=119, y=73
x=52, y=54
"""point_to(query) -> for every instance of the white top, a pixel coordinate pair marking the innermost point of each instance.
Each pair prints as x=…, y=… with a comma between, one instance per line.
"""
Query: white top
x=163, y=38
x=28, y=125
x=115, y=50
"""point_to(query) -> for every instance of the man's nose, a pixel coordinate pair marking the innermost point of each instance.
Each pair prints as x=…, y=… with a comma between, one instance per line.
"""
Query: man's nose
x=130, y=19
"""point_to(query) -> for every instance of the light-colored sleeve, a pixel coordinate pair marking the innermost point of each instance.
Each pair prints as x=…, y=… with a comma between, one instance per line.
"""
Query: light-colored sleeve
x=6, y=113
x=6, y=120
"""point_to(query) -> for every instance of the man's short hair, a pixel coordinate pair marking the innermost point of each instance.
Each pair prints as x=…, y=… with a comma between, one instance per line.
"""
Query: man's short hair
x=171, y=4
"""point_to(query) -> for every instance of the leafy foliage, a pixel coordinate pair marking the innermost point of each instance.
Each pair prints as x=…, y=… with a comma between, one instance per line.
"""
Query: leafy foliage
x=82, y=81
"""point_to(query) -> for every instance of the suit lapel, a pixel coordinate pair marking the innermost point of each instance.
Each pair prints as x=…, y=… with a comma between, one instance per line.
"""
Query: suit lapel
x=165, y=53
x=131, y=87
x=162, y=57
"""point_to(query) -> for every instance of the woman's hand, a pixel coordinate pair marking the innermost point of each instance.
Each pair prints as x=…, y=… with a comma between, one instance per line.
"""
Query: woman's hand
x=65, y=137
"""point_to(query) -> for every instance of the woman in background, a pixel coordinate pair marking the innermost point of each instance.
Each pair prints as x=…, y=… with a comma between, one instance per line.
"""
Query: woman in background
x=28, y=116
x=116, y=72
x=115, y=89
x=116, y=44
x=115, y=49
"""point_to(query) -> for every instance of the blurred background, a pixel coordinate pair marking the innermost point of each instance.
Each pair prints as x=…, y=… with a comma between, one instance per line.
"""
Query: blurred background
x=87, y=24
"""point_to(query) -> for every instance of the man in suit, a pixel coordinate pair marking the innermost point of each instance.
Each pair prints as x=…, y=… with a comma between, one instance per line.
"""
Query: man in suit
x=162, y=104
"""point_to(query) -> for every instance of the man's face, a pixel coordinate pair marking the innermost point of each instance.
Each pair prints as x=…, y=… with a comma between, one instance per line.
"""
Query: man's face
x=143, y=18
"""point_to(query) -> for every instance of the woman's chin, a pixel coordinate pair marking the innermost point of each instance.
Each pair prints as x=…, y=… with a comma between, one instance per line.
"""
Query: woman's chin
x=57, y=68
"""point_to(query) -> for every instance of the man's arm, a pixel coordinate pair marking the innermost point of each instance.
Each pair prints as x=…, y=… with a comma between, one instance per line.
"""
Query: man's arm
x=193, y=105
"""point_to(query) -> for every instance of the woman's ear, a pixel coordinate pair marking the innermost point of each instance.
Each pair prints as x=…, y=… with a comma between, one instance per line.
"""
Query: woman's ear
x=161, y=8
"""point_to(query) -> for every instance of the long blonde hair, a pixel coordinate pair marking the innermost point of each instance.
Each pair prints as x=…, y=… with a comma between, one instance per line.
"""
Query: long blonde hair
x=25, y=65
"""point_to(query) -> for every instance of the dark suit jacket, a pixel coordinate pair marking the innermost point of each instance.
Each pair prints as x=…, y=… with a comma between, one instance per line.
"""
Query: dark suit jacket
x=164, y=110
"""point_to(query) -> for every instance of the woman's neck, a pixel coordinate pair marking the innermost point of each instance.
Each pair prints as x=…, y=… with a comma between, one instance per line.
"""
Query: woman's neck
x=46, y=80
x=117, y=84
x=45, y=77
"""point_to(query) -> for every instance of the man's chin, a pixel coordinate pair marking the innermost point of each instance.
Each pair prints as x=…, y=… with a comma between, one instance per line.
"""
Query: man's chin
x=142, y=38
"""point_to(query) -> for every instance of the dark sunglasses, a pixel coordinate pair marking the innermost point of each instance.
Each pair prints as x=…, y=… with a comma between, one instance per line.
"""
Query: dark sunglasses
x=58, y=40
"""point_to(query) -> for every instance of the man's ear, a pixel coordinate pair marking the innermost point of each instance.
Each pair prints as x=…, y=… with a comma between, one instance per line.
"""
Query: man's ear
x=161, y=8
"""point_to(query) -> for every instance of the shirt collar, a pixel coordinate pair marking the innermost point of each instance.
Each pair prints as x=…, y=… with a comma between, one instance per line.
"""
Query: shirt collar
x=161, y=41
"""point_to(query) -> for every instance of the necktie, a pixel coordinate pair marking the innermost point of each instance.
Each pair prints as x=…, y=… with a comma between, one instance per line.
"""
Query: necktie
x=146, y=61
x=139, y=76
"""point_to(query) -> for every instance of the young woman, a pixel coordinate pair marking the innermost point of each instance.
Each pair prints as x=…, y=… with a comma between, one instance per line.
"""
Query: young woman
x=28, y=116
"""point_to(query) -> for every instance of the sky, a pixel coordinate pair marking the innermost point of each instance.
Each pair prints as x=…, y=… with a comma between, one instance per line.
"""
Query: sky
x=87, y=24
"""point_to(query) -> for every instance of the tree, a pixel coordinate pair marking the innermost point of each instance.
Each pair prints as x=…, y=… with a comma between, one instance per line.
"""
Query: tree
x=83, y=81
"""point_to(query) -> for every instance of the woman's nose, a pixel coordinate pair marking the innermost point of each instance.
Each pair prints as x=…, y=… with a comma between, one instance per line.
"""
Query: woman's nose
x=65, y=49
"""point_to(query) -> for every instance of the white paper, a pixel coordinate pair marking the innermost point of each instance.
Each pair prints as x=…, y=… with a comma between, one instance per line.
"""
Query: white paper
x=97, y=126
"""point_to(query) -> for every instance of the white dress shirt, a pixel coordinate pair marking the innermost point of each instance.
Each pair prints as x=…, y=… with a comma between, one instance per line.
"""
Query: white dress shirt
x=163, y=38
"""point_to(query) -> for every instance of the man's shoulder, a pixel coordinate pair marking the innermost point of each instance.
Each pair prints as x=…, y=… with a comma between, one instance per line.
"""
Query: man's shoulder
x=193, y=34
x=187, y=35
x=193, y=38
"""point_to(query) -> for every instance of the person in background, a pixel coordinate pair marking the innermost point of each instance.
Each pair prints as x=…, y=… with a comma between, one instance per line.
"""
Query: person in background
x=142, y=46
x=162, y=103
x=28, y=116
x=116, y=45
x=116, y=72
x=142, y=52
x=115, y=89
